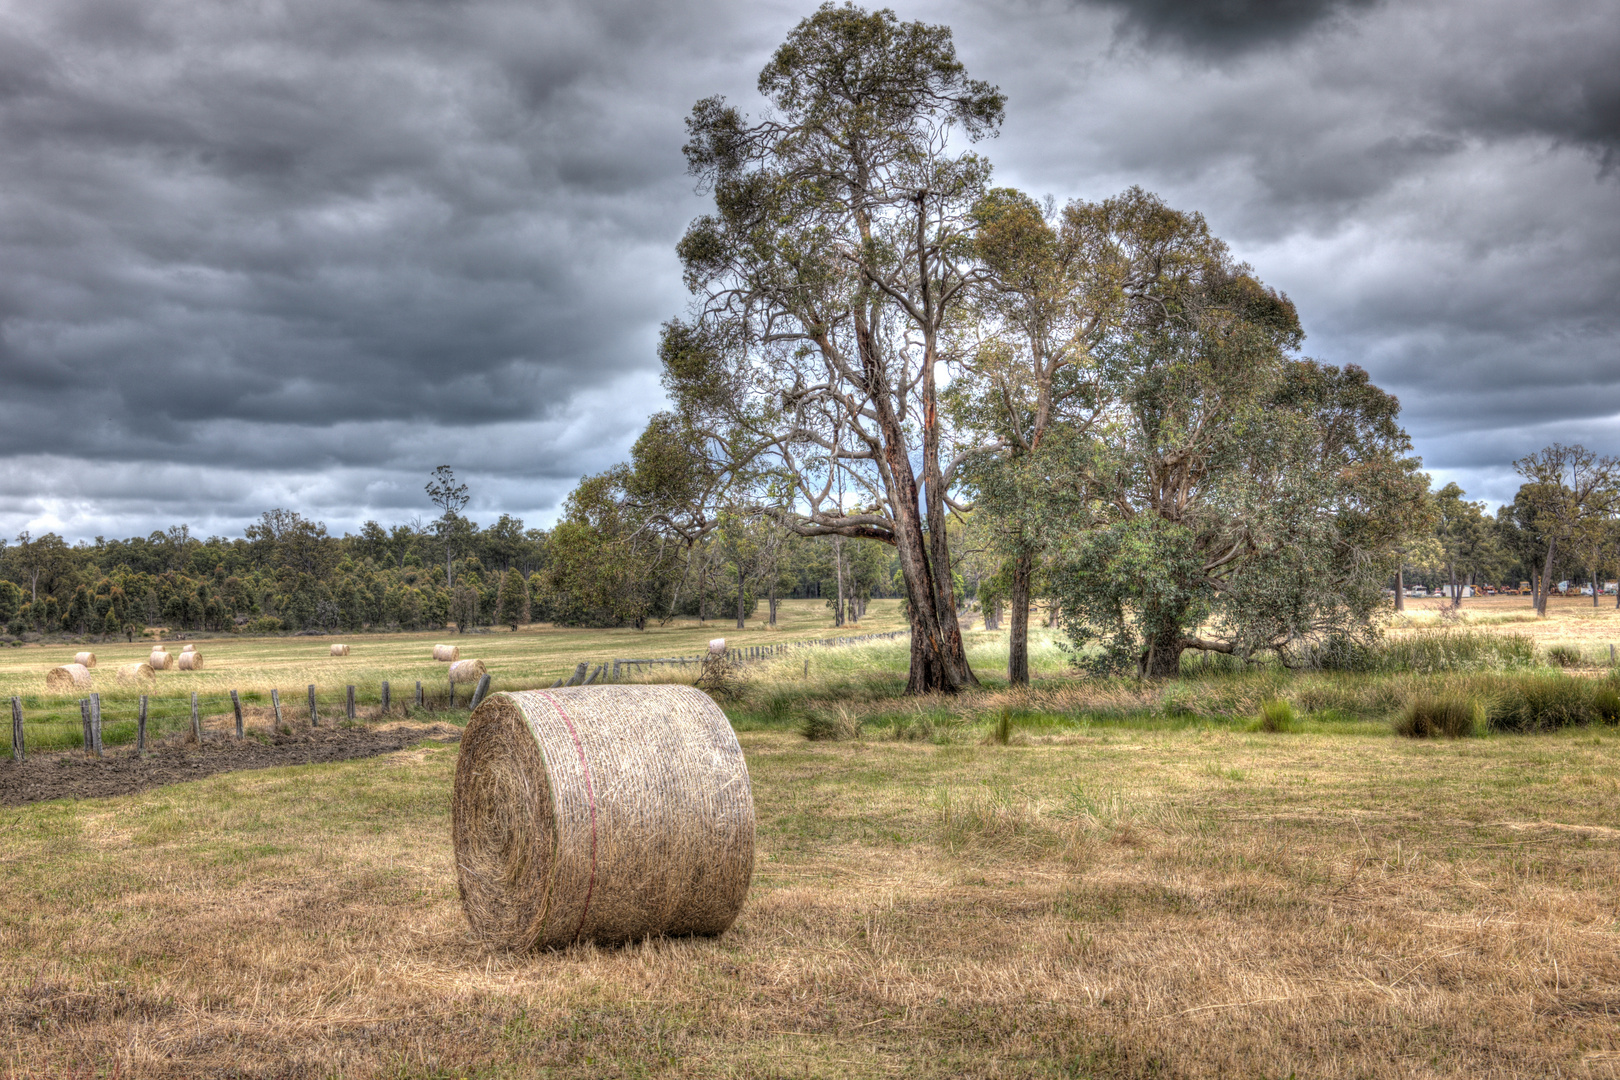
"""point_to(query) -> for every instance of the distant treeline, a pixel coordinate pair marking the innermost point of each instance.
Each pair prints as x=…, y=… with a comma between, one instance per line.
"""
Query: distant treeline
x=288, y=574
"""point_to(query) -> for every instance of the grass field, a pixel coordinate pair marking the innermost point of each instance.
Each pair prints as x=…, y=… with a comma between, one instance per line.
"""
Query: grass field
x=1138, y=884
x=534, y=656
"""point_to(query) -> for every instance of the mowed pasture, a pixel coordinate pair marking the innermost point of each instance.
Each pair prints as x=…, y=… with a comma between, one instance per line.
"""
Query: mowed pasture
x=1137, y=884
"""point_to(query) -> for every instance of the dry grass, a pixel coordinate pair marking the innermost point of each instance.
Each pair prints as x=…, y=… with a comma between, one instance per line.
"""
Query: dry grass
x=1127, y=904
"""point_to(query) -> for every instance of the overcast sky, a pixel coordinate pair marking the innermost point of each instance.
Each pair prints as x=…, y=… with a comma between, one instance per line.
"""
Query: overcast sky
x=298, y=252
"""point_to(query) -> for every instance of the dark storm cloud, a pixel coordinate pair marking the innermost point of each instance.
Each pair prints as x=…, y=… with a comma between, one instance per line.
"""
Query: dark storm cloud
x=299, y=254
x=1224, y=27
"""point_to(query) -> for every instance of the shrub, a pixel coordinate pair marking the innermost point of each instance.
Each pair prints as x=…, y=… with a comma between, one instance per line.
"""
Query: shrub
x=1564, y=656
x=267, y=624
x=1277, y=715
x=1453, y=716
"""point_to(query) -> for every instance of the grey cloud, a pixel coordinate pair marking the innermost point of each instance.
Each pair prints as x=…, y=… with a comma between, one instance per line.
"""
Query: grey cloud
x=1219, y=28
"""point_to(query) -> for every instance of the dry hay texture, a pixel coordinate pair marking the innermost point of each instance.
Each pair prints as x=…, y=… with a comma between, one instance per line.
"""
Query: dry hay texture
x=190, y=661
x=160, y=660
x=449, y=654
x=68, y=677
x=87, y=659
x=467, y=670
x=340, y=650
x=601, y=813
x=139, y=671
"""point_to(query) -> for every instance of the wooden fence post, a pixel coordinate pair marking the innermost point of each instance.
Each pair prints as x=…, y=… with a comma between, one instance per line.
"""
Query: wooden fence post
x=275, y=703
x=95, y=721
x=314, y=717
x=478, y=694
x=419, y=698
x=452, y=692
x=349, y=705
x=385, y=701
x=140, y=729
x=84, y=719
x=236, y=706
x=16, y=729
x=196, y=721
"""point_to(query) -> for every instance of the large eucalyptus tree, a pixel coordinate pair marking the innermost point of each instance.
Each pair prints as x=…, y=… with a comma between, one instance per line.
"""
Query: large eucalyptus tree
x=827, y=278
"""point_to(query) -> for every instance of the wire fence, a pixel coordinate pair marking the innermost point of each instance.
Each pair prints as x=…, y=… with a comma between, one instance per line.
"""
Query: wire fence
x=50, y=722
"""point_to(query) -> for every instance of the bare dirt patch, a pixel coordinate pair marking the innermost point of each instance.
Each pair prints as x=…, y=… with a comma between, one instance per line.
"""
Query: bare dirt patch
x=73, y=775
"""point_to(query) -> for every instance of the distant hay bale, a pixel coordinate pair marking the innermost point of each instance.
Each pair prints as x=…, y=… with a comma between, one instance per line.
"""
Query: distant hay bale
x=160, y=660
x=340, y=650
x=68, y=677
x=190, y=661
x=601, y=813
x=467, y=670
x=449, y=654
x=139, y=671
x=717, y=646
x=189, y=648
x=87, y=659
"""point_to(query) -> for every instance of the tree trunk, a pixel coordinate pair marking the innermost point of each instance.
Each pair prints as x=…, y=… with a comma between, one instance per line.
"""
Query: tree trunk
x=1400, y=589
x=1018, y=635
x=741, y=625
x=1162, y=658
x=838, y=575
x=1594, y=588
x=773, y=604
x=1546, y=577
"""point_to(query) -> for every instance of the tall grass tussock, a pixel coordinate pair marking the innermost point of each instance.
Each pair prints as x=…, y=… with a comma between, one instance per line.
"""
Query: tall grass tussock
x=1452, y=716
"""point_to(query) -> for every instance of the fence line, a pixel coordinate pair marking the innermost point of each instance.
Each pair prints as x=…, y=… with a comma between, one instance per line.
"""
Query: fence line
x=157, y=714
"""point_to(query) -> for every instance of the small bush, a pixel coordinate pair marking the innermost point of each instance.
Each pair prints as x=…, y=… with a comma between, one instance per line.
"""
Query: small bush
x=1564, y=656
x=1277, y=715
x=1451, y=716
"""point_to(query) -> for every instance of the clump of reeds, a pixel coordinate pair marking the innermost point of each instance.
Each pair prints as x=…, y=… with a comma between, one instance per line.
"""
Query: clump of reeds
x=1277, y=715
x=1564, y=656
x=830, y=725
x=1448, y=715
x=1549, y=702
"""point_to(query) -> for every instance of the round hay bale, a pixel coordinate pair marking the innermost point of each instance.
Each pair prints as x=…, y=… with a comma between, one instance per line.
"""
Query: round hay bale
x=340, y=650
x=449, y=654
x=189, y=648
x=86, y=659
x=467, y=670
x=717, y=646
x=68, y=677
x=160, y=660
x=190, y=661
x=601, y=813
x=139, y=671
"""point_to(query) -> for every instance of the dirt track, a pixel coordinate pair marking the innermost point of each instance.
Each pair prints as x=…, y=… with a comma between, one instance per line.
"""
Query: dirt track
x=72, y=775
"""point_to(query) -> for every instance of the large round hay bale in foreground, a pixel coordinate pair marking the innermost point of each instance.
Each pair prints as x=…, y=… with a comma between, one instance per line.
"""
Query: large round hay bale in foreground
x=448, y=654
x=139, y=671
x=601, y=813
x=160, y=660
x=190, y=661
x=467, y=671
x=340, y=650
x=87, y=659
x=68, y=677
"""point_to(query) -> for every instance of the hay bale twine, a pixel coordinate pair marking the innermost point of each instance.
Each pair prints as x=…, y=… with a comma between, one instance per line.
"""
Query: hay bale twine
x=467, y=670
x=160, y=659
x=139, y=671
x=86, y=659
x=340, y=650
x=601, y=813
x=448, y=654
x=190, y=661
x=68, y=677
